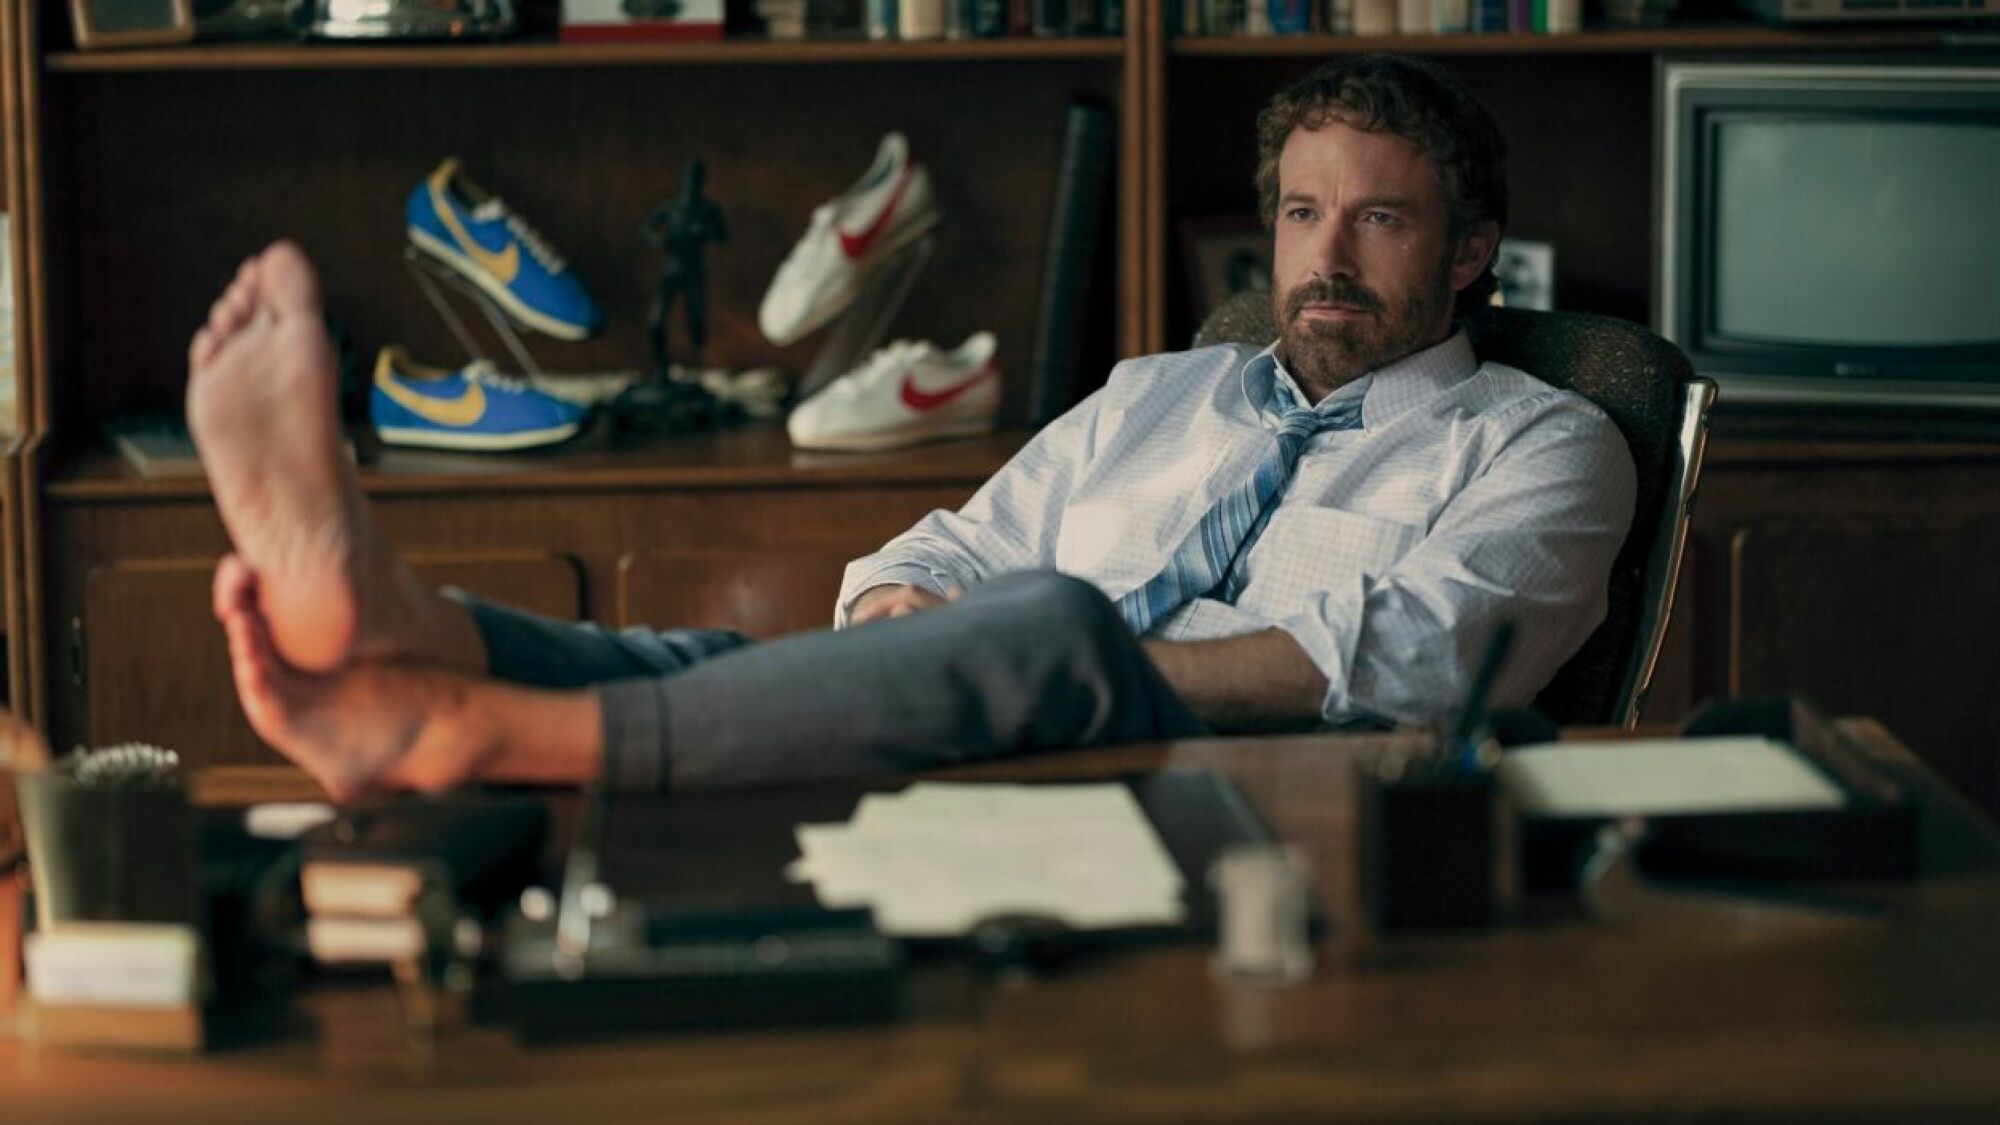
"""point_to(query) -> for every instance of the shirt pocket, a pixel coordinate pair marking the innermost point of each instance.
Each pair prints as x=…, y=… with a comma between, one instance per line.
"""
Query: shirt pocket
x=1306, y=551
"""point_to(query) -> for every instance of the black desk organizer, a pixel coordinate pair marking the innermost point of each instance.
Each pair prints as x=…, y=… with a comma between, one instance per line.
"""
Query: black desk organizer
x=1874, y=836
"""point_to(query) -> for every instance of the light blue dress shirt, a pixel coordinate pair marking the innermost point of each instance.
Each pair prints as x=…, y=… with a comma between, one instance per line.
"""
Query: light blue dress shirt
x=1471, y=494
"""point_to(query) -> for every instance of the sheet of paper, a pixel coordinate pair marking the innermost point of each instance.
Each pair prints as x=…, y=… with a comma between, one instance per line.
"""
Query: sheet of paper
x=937, y=858
x=1647, y=777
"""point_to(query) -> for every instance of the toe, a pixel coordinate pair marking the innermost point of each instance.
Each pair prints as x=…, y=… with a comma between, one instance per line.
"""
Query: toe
x=286, y=279
x=201, y=349
x=235, y=587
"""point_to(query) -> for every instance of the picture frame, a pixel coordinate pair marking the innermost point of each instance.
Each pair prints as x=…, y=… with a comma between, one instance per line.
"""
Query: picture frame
x=130, y=23
x=1225, y=255
x=1526, y=271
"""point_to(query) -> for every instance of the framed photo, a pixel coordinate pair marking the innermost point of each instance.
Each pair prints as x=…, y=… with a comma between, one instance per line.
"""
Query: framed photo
x=1526, y=270
x=1226, y=255
x=130, y=23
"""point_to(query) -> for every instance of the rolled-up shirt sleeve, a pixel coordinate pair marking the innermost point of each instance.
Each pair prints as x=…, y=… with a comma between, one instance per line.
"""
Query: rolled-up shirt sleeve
x=1010, y=524
x=1531, y=540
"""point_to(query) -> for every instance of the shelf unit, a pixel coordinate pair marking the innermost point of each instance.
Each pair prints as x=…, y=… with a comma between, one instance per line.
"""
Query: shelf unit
x=139, y=177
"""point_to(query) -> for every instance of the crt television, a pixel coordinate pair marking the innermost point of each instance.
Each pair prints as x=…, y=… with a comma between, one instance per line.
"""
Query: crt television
x=1830, y=232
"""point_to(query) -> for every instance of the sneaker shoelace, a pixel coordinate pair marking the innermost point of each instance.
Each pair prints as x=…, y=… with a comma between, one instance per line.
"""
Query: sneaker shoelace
x=822, y=220
x=483, y=372
x=538, y=247
x=893, y=358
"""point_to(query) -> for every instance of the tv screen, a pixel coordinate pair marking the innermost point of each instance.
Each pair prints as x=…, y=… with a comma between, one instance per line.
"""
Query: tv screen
x=1833, y=232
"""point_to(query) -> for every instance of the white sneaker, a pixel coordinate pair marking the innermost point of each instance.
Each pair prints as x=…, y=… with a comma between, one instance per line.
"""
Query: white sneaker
x=906, y=393
x=851, y=234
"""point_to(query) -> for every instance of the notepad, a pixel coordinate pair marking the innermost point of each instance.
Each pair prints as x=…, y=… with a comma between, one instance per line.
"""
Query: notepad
x=939, y=858
x=1668, y=776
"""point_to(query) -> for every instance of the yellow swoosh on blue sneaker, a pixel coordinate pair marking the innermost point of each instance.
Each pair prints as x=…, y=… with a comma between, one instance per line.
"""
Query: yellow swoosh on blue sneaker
x=458, y=412
x=503, y=265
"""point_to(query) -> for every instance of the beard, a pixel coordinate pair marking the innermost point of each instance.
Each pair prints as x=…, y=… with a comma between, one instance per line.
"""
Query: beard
x=1325, y=356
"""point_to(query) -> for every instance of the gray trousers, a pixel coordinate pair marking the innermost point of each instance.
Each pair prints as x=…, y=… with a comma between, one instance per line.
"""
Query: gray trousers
x=1025, y=662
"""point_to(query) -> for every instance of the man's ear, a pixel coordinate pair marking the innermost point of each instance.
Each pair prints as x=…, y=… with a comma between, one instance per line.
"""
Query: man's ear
x=1475, y=250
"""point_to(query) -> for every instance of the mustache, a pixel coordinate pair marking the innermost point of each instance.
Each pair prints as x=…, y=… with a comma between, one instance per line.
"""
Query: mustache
x=1329, y=290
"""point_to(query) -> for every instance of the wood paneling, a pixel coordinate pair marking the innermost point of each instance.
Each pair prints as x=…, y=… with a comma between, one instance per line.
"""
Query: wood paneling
x=764, y=592
x=153, y=666
x=1894, y=618
x=1853, y=570
x=137, y=569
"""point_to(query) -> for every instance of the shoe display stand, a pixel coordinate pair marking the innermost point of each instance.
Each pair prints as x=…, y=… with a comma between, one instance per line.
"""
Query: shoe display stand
x=139, y=177
x=433, y=278
x=859, y=329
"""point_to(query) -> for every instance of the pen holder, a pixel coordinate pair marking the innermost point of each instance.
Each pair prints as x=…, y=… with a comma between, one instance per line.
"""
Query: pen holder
x=109, y=844
x=1436, y=844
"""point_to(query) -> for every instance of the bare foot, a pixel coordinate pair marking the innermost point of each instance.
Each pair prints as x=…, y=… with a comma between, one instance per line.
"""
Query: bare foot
x=361, y=728
x=260, y=405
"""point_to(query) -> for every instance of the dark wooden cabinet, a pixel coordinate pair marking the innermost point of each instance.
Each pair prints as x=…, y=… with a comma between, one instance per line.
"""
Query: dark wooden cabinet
x=1858, y=573
x=147, y=663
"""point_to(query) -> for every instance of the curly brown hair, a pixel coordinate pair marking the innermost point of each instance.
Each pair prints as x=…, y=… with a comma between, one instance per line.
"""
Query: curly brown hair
x=1418, y=101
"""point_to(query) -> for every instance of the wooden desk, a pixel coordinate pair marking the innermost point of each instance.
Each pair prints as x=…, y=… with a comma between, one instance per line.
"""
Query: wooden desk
x=1891, y=1019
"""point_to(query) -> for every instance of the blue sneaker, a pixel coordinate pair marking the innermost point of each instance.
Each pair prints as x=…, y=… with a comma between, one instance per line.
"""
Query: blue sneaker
x=450, y=219
x=471, y=408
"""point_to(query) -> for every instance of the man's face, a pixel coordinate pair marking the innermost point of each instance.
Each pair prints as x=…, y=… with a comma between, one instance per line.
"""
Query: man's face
x=1364, y=270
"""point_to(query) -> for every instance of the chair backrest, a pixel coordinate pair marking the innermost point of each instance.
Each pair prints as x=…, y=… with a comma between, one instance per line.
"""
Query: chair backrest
x=1661, y=407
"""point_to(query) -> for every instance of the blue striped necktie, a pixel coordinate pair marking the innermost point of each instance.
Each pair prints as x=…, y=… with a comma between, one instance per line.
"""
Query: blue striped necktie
x=1209, y=557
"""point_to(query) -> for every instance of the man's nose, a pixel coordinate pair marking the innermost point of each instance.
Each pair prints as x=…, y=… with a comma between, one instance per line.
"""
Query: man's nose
x=1333, y=251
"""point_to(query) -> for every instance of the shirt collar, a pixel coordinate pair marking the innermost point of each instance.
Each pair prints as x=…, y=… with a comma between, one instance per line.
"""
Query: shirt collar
x=1385, y=391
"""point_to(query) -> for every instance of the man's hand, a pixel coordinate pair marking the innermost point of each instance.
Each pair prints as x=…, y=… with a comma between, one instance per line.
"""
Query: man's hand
x=891, y=601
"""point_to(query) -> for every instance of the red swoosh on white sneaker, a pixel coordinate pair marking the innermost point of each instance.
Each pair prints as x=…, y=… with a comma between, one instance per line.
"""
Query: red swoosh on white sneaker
x=922, y=401
x=855, y=245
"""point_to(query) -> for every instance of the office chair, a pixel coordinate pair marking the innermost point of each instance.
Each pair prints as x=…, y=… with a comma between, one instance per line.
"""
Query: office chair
x=1648, y=388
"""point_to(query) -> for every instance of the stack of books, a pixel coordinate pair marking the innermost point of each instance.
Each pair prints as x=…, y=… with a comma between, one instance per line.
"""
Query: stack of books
x=940, y=19
x=390, y=885
x=1372, y=17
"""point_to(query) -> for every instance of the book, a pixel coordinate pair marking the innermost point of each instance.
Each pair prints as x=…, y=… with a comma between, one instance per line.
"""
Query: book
x=376, y=862
x=136, y=964
x=155, y=445
x=365, y=941
x=1076, y=216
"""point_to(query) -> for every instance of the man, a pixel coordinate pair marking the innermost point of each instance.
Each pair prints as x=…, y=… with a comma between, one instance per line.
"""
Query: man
x=1226, y=539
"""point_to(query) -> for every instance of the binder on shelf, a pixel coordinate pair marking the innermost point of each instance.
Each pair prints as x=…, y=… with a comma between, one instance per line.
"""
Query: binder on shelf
x=1083, y=180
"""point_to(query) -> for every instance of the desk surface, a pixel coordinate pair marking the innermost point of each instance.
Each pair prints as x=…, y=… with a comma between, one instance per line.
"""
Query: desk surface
x=1891, y=1018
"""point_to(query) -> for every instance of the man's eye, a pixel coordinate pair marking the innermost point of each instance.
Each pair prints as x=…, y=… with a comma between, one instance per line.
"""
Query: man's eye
x=1299, y=214
x=1379, y=218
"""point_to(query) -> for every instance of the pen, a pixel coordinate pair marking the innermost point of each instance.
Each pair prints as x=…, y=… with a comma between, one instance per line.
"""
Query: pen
x=1472, y=714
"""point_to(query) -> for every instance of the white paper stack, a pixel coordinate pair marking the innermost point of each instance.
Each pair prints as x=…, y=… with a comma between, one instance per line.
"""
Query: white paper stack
x=938, y=858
